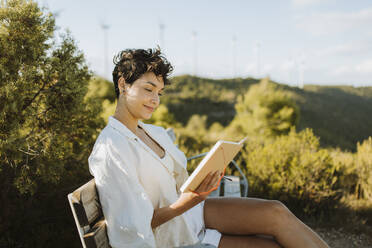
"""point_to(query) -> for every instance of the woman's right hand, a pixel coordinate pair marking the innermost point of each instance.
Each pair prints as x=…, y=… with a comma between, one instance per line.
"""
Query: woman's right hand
x=188, y=200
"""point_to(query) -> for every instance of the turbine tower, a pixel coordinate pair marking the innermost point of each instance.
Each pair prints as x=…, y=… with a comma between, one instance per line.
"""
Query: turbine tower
x=301, y=63
x=161, y=35
x=195, y=52
x=234, y=56
x=258, y=47
x=105, y=28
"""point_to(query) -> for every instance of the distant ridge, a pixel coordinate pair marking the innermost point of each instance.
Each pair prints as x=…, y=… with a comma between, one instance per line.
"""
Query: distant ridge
x=340, y=115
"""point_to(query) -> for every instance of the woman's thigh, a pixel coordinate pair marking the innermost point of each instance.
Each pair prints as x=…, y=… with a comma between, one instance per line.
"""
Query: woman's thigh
x=242, y=216
x=229, y=241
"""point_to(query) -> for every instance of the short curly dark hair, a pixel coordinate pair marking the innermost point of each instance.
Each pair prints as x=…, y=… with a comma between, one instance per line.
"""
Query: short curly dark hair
x=131, y=64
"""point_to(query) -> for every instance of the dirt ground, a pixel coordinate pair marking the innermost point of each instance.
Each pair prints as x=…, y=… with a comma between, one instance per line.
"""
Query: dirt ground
x=339, y=238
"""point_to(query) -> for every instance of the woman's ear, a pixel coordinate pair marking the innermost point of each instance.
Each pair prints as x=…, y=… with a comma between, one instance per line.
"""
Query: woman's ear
x=121, y=85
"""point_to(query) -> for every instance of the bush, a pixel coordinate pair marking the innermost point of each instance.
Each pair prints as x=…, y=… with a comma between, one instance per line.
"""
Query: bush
x=293, y=169
x=364, y=169
x=264, y=110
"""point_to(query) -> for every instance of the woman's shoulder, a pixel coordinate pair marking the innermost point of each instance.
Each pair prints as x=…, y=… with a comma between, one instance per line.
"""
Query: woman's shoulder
x=111, y=144
x=110, y=139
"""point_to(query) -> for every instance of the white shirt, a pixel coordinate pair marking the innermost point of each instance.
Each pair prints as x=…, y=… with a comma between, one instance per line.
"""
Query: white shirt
x=132, y=181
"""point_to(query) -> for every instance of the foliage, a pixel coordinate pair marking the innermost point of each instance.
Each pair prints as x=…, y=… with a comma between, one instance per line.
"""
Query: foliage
x=294, y=169
x=328, y=110
x=47, y=129
x=364, y=169
x=102, y=92
x=339, y=115
x=264, y=110
x=101, y=89
x=187, y=96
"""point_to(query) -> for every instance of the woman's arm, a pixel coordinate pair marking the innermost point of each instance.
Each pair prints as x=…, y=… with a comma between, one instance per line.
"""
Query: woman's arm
x=185, y=201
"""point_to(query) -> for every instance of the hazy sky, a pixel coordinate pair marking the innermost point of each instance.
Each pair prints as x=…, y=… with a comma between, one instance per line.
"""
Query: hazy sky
x=331, y=40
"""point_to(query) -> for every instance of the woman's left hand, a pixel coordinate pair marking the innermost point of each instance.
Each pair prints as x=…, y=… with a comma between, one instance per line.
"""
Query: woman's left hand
x=188, y=200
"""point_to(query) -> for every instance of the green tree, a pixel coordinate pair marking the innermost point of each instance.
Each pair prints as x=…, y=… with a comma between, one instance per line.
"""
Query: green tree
x=265, y=110
x=46, y=127
x=102, y=92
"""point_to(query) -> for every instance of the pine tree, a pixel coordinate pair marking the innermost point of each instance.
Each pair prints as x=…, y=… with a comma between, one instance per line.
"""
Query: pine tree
x=46, y=127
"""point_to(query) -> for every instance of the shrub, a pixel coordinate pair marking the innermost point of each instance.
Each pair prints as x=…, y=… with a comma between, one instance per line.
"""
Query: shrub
x=264, y=110
x=293, y=168
x=364, y=169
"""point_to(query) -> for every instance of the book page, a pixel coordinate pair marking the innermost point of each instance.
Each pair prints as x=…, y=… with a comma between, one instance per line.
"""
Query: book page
x=217, y=158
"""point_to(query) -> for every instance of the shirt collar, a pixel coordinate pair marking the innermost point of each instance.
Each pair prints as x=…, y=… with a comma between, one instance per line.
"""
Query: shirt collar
x=121, y=128
x=114, y=123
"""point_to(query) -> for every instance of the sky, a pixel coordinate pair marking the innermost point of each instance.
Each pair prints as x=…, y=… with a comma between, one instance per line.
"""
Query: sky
x=326, y=42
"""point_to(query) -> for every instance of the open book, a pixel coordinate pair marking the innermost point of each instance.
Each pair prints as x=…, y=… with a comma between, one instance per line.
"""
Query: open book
x=217, y=158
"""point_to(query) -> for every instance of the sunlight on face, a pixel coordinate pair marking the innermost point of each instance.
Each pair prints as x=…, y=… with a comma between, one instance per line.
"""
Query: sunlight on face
x=142, y=96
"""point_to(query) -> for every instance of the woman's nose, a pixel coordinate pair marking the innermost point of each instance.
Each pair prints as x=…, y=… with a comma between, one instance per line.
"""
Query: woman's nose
x=155, y=99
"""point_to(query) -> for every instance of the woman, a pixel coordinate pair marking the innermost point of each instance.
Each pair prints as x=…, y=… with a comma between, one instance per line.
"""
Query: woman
x=139, y=171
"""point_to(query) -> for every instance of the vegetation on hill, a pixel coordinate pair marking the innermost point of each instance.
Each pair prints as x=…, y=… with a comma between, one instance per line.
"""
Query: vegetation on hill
x=339, y=115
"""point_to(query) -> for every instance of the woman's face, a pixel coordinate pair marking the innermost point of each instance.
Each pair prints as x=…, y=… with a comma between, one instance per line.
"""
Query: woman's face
x=142, y=97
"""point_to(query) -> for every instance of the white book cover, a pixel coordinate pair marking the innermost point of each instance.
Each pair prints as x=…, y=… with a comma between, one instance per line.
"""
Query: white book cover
x=217, y=158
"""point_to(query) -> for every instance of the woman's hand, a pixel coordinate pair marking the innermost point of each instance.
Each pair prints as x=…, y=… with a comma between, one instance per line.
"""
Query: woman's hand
x=189, y=199
x=209, y=184
x=186, y=200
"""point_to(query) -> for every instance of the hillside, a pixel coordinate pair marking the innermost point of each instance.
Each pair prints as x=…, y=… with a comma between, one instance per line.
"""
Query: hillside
x=340, y=115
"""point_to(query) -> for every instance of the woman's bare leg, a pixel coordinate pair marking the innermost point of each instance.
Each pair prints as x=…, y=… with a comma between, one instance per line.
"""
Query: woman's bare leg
x=247, y=242
x=251, y=216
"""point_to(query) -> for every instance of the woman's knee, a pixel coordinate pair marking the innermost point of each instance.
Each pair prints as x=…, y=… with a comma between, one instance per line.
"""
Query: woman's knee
x=280, y=215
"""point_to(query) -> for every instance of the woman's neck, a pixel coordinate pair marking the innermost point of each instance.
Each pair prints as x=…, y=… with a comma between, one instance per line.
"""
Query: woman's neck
x=123, y=115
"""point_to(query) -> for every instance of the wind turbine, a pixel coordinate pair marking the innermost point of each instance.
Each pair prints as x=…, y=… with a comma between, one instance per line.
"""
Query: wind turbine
x=258, y=59
x=195, y=53
x=234, y=56
x=301, y=63
x=105, y=28
x=161, y=35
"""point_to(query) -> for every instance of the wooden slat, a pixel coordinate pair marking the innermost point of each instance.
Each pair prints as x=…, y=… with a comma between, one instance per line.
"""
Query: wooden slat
x=97, y=236
x=86, y=203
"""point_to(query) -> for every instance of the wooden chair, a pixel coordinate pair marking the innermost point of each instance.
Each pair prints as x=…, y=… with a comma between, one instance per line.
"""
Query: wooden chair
x=89, y=219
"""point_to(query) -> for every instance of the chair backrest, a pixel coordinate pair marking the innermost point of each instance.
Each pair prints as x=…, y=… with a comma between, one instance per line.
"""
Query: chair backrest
x=88, y=216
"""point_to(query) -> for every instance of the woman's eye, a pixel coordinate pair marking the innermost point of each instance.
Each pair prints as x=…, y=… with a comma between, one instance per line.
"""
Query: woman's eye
x=150, y=90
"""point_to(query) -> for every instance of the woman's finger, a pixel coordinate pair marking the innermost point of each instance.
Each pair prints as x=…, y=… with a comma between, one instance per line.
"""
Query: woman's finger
x=205, y=185
x=215, y=180
x=209, y=181
x=205, y=182
x=212, y=181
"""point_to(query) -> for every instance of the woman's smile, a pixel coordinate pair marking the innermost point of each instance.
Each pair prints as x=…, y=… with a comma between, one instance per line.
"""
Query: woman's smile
x=151, y=109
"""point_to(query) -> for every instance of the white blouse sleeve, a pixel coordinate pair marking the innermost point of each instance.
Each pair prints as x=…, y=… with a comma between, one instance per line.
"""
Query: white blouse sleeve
x=126, y=207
